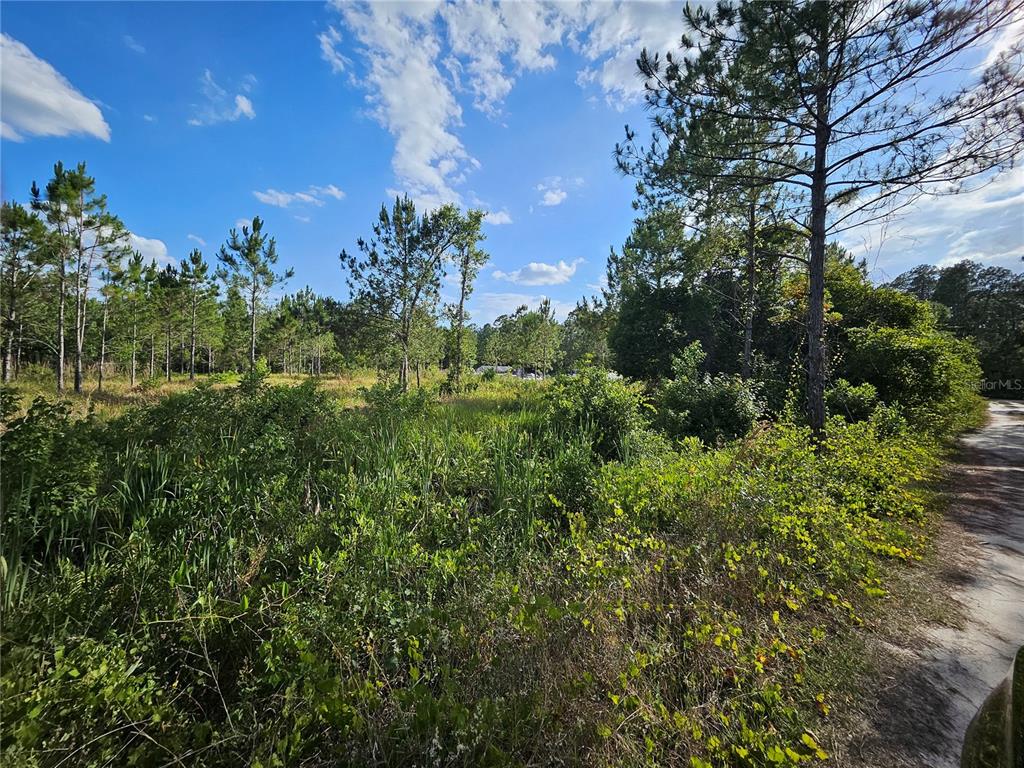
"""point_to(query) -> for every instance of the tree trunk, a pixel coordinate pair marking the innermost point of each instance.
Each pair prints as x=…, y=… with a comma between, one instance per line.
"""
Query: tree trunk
x=152, y=355
x=403, y=371
x=9, y=346
x=78, y=323
x=192, y=347
x=816, y=268
x=167, y=353
x=60, y=328
x=252, y=329
x=460, y=318
x=82, y=270
x=17, y=357
x=103, y=347
x=748, y=309
x=134, y=342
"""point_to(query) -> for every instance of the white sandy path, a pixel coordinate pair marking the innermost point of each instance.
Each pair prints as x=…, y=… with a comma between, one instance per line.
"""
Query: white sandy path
x=964, y=665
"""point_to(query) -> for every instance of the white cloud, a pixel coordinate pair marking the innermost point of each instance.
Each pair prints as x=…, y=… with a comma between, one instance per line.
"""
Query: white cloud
x=983, y=224
x=197, y=239
x=133, y=44
x=312, y=196
x=303, y=219
x=539, y=273
x=243, y=107
x=328, y=191
x=553, y=191
x=329, y=49
x=274, y=197
x=553, y=197
x=410, y=98
x=481, y=36
x=218, y=105
x=487, y=306
x=1007, y=40
x=150, y=248
x=36, y=100
x=617, y=32
x=239, y=223
x=420, y=56
x=497, y=218
x=149, y=118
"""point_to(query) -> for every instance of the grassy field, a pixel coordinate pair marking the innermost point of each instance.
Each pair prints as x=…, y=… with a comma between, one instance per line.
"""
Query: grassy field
x=118, y=395
x=525, y=575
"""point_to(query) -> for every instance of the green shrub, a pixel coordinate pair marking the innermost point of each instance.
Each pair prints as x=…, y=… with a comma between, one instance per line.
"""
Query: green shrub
x=712, y=408
x=461, y=584
x=388, y=401
x=853, y=403
x=931, y=375
x=610, y=410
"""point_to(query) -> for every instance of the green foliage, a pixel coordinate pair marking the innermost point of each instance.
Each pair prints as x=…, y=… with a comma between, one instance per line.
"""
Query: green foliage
x=930, y=374
x=656, y=325
x=712, y=408
x=610, y=410
x=525, y=338
x=443, y=582
x=853, y=403
x=985, y=304
x=388, y=401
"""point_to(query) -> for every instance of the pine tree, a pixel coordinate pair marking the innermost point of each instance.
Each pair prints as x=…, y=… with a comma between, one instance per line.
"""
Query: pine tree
x=855, y=100
x=400, y=269
x=85, y=237
x=248, y=259
x=168, y=292
x=468, y=259
x=198, y=288
x=22, y=244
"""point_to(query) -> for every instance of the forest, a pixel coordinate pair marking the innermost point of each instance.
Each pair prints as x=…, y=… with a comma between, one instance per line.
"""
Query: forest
x=249, y=526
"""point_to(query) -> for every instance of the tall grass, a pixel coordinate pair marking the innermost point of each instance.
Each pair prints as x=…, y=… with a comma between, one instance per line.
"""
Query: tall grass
x=262, y=575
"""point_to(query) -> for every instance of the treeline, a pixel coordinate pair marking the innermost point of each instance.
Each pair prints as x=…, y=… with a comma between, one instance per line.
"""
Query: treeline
x=984, y=304
x=787, y=126
x=76, y=297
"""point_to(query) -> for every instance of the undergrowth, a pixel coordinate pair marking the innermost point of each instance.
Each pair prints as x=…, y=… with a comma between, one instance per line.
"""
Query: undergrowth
x=255, y=575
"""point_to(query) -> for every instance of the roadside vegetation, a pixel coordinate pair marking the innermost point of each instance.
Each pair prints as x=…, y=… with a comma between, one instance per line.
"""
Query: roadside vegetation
x=527, y=573
x=303, y=531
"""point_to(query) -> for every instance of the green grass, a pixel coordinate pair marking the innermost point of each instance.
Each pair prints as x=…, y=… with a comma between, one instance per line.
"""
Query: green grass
x=265, y=575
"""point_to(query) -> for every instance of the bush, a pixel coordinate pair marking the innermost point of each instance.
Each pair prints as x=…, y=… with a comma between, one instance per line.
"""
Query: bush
x=930, y=374
x=467, y=586
x=713, y=408
x=853, y=403
x=609, y=409
x=388, y=401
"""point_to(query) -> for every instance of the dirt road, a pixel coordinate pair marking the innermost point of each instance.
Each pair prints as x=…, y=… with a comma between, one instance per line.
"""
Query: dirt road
x=935, y=682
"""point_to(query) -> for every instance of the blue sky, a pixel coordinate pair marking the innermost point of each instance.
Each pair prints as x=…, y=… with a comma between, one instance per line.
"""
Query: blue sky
x=195, y=116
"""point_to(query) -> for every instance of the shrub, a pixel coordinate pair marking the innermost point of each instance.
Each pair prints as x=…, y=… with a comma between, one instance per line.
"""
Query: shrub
x=853, y=403
x=930, y=374
x=609, y=409
x=469, y=585
x=388, y=401
x=712, y=408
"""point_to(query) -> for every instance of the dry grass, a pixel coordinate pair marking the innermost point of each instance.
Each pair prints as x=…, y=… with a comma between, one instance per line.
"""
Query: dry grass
x=118, y=395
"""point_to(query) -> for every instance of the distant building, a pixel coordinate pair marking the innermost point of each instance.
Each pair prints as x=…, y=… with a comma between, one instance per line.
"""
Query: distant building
x=480, y=369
